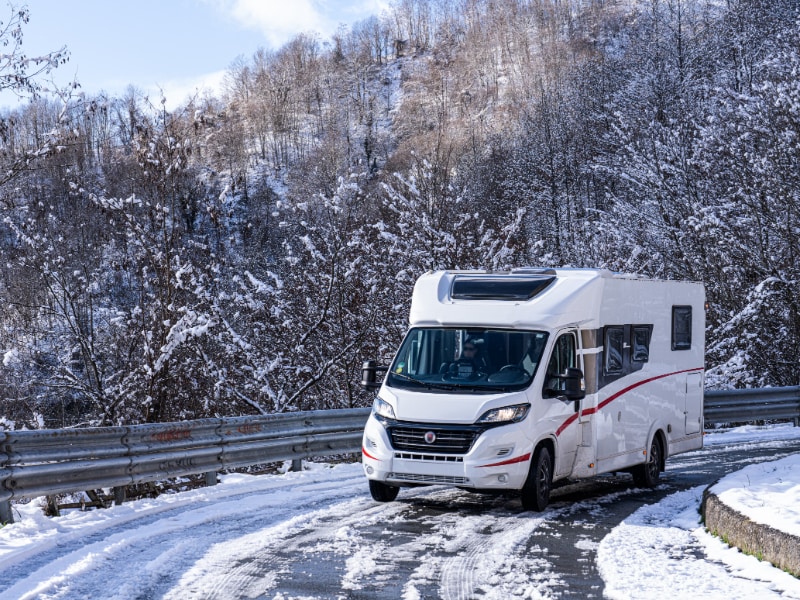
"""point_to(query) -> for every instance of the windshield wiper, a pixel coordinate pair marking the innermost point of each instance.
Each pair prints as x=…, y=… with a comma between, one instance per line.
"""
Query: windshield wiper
x=426, y=384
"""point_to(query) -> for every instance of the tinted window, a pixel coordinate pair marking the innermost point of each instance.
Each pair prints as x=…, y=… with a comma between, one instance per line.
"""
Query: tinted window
x=615, y=337
x=640, y=346
x=562, y=358
x=681, y=327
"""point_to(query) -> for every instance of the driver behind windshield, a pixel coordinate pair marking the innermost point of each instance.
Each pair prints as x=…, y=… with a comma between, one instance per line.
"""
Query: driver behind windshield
x=470, y=364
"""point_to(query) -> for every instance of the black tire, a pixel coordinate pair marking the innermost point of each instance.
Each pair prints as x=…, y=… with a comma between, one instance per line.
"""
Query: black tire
x=646, y=474
x=536, y=491
x=382, y=492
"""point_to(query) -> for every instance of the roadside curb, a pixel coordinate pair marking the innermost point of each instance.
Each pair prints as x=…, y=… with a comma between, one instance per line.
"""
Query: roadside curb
x=762, y=541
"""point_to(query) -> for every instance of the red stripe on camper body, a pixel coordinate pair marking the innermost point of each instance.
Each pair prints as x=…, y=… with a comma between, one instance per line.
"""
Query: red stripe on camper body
x=510, y=461
x=368, y=455
x=567, y=423
x=610, y=399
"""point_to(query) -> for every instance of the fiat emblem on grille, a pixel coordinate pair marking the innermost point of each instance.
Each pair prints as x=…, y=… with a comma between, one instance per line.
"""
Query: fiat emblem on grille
x=430, y=437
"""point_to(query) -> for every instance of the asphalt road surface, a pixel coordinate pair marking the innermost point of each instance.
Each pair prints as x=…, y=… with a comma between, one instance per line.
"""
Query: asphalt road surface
x=445, y=543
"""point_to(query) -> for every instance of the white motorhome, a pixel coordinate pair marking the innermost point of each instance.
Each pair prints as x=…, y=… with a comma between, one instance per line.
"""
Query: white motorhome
x=514, y=380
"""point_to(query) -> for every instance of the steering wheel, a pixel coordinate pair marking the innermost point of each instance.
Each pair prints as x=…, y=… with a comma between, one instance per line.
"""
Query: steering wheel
x=456, y=372
x=508, y=374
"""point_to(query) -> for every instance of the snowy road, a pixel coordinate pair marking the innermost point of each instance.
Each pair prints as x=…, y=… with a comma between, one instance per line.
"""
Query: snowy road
x=318, y=534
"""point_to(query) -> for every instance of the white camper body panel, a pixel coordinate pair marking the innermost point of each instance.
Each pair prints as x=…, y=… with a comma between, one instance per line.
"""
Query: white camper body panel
x=638, y=342
x=664, y=395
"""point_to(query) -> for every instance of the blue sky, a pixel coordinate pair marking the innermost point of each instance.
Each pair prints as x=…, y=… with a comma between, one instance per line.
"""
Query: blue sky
x=177, y=46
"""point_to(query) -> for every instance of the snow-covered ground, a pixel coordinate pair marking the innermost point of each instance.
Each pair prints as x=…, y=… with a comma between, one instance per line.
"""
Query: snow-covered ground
x=767, y=493
x=637, y=559
x=660, y=550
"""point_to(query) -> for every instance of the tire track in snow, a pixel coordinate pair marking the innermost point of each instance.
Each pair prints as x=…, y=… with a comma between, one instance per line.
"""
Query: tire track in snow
x=252, y=564
x=478, y=564
x=492, y=559
x=458, y=573
x=471, y=546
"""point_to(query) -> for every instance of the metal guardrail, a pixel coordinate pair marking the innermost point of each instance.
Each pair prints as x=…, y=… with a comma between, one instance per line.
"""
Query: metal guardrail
x=47, y=462
x=53, y=461
x=747, y=406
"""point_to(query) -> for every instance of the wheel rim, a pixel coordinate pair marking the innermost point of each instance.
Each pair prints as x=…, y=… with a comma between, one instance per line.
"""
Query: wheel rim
x=654, y=460
x=543, y=480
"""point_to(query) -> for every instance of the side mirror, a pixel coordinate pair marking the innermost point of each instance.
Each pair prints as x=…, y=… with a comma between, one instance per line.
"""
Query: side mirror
x=570, y=385
x=369, y=374
x=574, y=387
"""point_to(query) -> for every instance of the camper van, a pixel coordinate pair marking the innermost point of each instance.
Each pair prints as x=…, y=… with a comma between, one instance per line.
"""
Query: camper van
x=513, y=381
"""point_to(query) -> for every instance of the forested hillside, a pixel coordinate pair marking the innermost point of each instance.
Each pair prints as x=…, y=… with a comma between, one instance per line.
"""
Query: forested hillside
x=245, y=252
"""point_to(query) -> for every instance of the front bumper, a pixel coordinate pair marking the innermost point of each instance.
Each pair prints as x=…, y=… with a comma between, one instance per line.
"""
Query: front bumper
x=498, y=459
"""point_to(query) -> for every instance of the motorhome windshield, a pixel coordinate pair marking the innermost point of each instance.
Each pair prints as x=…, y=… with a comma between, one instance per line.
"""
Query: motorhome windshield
x=472, y=359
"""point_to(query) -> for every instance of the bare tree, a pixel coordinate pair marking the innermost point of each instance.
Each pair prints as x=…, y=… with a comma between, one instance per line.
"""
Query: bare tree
x=19, y=73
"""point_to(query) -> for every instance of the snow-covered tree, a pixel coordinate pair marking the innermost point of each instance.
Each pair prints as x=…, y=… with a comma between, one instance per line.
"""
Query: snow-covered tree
x=245, y=253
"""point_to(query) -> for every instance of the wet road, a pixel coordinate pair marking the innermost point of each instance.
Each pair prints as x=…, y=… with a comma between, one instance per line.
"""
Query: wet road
x=442, y=543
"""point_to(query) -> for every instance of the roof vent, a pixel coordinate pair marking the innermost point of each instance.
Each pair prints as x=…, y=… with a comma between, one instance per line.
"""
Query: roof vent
x=499, y=287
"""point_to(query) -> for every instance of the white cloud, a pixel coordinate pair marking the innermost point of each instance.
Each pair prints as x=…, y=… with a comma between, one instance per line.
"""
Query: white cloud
x=281, y=20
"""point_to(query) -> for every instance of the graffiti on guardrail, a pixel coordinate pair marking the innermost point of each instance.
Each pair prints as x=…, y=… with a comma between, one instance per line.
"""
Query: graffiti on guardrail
x=172, y=435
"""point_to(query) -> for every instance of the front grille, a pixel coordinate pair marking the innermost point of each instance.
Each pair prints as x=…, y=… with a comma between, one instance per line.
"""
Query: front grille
x=417, y=478
x=448, y=440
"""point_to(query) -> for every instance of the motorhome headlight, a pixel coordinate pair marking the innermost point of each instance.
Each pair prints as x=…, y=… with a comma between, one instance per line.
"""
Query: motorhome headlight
x=383, y=409
x=506, y=414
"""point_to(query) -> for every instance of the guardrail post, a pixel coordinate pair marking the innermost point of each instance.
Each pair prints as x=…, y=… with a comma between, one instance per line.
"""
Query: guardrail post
x=119, y=495
x=6, y=514
x=297, y=465
x=52, y=506
x=211, y=478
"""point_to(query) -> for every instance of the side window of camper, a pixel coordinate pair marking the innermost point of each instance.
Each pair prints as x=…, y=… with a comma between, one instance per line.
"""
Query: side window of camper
x=640, y=343
x=681, y=327
x=615, y=336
